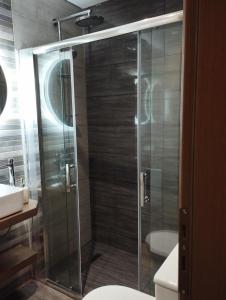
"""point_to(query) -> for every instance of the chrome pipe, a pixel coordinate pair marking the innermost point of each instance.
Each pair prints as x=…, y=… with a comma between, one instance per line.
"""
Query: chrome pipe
x=59, y=30
x=79, y=14
x=58, y=21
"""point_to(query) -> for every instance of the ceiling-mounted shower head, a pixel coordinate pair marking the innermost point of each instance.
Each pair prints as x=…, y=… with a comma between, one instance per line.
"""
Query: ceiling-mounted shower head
x=82, y=19
x=89, y=21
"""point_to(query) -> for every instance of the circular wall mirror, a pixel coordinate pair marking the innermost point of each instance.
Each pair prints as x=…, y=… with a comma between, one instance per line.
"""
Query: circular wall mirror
x=58, y=91
x=3, y=90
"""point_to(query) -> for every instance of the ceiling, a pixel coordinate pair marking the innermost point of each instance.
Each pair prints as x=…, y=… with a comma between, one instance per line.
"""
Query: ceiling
x=85, y=3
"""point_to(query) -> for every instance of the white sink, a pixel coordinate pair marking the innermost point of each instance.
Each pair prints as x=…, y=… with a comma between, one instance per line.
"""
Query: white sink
x=11, y=200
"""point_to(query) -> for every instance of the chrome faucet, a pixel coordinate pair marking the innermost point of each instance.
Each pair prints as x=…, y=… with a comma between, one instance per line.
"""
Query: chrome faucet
x=10, y=165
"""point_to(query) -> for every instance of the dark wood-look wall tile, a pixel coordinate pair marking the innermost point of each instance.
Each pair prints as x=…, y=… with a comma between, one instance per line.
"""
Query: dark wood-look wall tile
x=117, y=50
x=112, y=80
x=111, y=106
x=114, y=196
x=115, y=139
x=173, y=5
x=105, y=234
x=119, y=12
x=112, y=110
x=113, y=168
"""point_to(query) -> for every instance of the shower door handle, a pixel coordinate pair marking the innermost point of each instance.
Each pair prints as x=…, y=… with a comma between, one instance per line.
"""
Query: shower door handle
x=69, y=186
x=142, y=189
x=145, y=187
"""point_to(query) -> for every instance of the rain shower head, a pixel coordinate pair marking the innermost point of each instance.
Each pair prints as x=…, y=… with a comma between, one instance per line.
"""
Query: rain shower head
x=82, y=19
x=89, y=21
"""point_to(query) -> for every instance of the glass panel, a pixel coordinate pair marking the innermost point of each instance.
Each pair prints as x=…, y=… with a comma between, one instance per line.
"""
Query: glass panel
x=110, y=92
x=159, y=126
x=59, y=178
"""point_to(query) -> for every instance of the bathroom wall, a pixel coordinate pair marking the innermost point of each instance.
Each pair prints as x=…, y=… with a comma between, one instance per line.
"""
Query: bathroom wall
x=33, y=21
x=118, y=12
x=32, y=26
x=10, y=125
x=111, y=102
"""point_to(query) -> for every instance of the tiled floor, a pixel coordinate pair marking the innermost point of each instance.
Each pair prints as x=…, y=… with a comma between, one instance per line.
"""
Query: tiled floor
x=109, y=266
x=112, y=266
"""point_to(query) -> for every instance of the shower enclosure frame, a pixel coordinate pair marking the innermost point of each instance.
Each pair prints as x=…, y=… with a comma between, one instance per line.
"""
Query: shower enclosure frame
x=112, y=32
x=105, y=34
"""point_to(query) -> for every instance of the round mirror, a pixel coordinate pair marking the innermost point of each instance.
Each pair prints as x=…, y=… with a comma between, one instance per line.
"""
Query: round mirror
x=58, y=91
x=3, y=90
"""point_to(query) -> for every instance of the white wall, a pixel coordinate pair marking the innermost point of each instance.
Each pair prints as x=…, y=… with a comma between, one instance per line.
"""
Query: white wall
x=32, y=20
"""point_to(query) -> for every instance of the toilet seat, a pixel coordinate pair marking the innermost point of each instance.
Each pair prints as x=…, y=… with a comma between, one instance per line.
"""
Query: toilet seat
x=113, y=292
x=161, y=242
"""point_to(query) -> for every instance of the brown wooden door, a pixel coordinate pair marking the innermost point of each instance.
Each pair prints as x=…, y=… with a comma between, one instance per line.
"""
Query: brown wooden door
x=203, y=166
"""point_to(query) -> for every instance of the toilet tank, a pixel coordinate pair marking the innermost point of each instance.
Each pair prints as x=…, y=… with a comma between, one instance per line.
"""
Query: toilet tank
x=166, y=278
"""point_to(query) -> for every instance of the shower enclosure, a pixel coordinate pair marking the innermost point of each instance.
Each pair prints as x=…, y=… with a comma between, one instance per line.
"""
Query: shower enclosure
x=59, y=167
x=108, y=108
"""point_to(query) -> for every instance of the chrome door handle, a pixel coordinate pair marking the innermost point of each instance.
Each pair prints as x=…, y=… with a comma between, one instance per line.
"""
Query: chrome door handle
x=69, y=186
x=145, y=187
x=142, y=189
x=68, y=178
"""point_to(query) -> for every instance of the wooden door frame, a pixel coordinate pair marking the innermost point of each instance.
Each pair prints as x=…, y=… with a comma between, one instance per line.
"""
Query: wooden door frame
x=189, y=71
x=202, y=254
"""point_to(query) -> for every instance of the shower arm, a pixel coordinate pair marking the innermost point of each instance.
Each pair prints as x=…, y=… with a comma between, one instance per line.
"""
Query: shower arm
x=79, y=14
x=57, y=21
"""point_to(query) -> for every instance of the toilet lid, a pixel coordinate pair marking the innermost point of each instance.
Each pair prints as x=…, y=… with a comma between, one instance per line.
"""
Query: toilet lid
x=162, y=242
x=116, y=292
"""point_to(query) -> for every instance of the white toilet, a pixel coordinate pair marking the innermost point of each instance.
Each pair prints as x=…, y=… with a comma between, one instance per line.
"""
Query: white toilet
x=113, y=292
x=161, y=242
x=166, y=285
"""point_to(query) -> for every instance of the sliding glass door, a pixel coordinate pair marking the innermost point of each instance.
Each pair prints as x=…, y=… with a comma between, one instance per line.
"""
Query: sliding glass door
x=159, y=69
x=57, y=133
x=126, y=168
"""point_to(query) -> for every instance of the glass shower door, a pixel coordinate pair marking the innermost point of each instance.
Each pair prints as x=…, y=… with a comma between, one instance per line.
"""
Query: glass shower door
x=159, y=65
x=57, y=132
